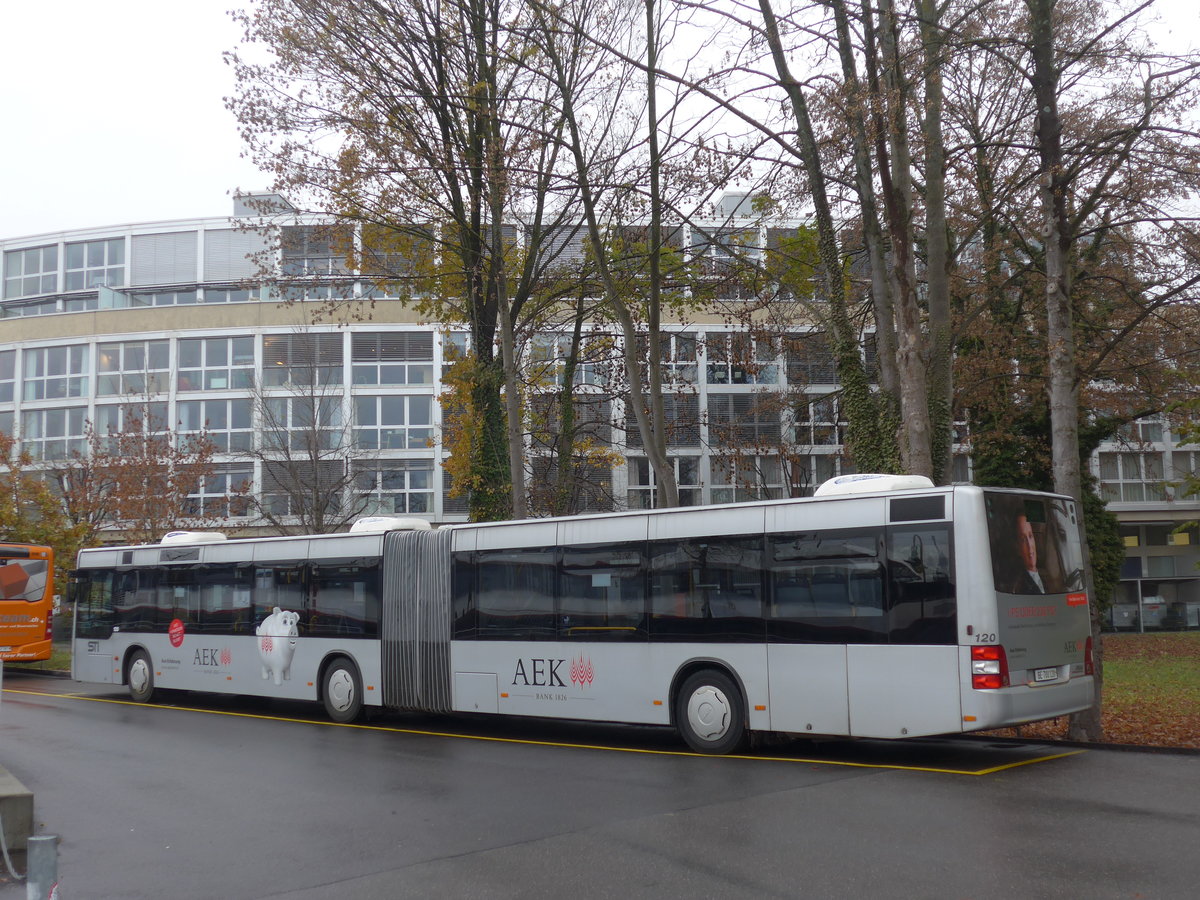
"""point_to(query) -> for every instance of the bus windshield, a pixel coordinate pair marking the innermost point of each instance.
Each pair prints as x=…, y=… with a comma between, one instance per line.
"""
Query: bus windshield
x=1035, y=544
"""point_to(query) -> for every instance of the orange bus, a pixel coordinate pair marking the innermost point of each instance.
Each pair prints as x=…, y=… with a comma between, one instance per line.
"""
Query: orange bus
x=26, y=602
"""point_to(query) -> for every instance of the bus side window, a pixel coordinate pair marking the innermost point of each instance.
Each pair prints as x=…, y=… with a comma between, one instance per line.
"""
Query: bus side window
x=465, y=614
x=281, y=585
x=826, y=587
x=94, y=605
x=602, y=593
x=921, y=585
x=345, y=599
x=515, y=596
x=710, y=587
x=135, y=604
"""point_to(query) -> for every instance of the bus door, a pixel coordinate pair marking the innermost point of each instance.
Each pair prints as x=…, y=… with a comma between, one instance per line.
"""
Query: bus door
x=906, y=681
x=92, y=598
x=825, y=592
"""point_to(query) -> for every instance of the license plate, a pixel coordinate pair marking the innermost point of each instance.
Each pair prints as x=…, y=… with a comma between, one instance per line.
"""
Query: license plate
x=1050, y=674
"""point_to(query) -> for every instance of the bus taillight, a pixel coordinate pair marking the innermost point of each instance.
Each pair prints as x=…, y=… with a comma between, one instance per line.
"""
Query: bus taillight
x=49, y=624
x=989, y=667
x=1089, y=666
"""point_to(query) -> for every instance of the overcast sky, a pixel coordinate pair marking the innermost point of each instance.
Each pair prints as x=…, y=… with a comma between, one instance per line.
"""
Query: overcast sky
x=112, y=112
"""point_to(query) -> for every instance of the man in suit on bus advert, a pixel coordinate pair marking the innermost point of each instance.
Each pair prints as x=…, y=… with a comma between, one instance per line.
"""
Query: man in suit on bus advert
x=1027, y=579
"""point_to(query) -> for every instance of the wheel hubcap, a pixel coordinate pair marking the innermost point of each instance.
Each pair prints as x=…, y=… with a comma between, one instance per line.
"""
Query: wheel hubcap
x=341, y=690
x=709, y=713
x=139, y=675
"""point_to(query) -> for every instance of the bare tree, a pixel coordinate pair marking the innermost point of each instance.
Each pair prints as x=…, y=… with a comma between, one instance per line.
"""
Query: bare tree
x=306, y=446
x=135, y=477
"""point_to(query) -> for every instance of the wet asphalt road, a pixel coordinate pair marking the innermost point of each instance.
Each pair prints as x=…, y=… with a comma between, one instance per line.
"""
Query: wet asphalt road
x=235, y=798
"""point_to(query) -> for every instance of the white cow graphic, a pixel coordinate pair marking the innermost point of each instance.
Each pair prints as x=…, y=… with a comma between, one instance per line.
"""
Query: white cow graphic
x=277, y=644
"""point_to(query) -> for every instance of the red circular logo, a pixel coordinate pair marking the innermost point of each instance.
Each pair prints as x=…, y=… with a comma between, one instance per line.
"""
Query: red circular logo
x=175, y=632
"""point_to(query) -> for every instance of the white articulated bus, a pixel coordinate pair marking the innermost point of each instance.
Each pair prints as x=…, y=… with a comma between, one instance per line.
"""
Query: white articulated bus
x=882, y=607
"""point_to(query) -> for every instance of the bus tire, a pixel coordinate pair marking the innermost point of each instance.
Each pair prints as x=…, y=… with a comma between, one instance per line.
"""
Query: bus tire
x=710, y=714
x=140, y=677
x=342, y=691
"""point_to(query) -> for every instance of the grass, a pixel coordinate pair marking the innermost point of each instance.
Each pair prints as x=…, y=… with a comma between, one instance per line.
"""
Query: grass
x=60, y=660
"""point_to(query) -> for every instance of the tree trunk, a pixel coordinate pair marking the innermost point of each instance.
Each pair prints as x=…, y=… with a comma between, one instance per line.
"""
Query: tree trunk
x=873, y=239
x=1063, y=387
x=937, y=239
x=916, y=437
x=870, y=440
x=666, y=486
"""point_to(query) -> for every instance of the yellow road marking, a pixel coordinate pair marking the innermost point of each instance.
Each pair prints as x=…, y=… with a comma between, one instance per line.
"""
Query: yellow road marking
x=559, y=744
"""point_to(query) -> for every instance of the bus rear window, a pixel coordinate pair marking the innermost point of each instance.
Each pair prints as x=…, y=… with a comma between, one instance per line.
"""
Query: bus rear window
x=24, y=580
x=1034, y=543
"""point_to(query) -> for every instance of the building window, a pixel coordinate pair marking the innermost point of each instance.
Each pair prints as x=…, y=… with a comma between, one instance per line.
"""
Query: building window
x=309, y=425
x=91, y=264
x=740, y=420
x=316, y=250
x=392, y=358
x=739, y=358
x=8, y=375
x=1143, y=431
x=229, y=295
x=216, y=364
x=80, y=303
x=131, y=418
x=224, y=493
x=308, y=358
x=288, y=487
x=683, y=421
x=163, y=298
x=132, y=367
x=32, y=271
x=456, y=345
x=678, y=355
x=55, y=372
x=34, y=308
x=817, y=422
x=391, y=486
x=393, y=261
x=393, y=423
x=1185, y=464
x=53, y=433
x=728, y=258
x=592, y=429
x=642, y=483
x=740, y=478
x=228, y=423
x=810, y=472
x=587, y=488
x=549, y=354
x=809, y=360
x=453, y=503
x=1132, y=477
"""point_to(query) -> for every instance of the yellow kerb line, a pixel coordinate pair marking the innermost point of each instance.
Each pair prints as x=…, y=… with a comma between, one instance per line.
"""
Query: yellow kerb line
x=535, y=743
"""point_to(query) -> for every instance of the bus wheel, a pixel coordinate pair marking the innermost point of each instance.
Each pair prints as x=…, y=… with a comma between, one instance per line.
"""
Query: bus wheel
x=710, y=713
x=342, y=692
x=141, y=677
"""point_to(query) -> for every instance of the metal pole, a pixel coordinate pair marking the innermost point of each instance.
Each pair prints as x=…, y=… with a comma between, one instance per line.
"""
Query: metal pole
x=41, y=882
